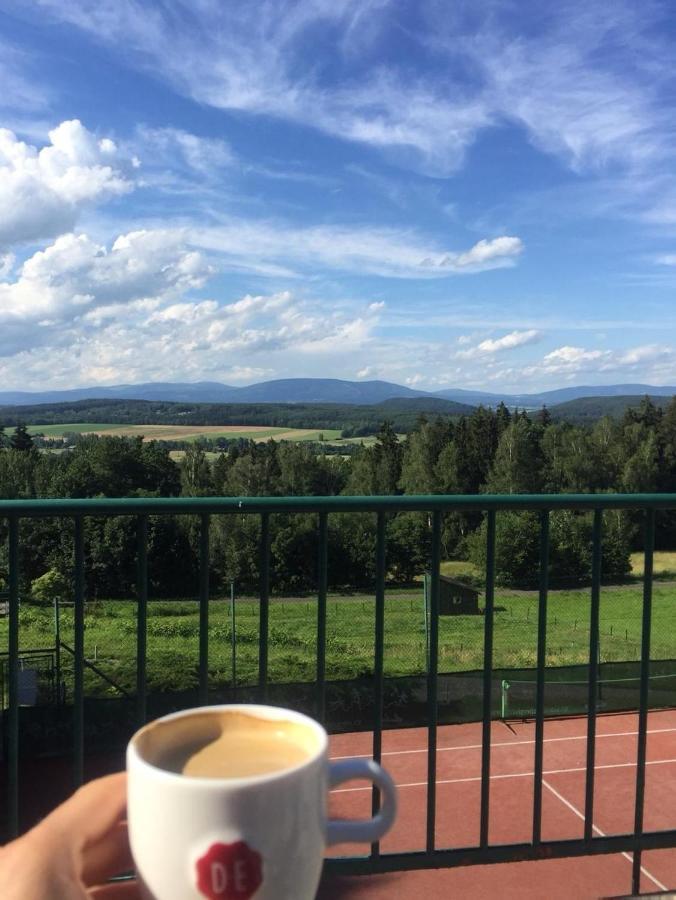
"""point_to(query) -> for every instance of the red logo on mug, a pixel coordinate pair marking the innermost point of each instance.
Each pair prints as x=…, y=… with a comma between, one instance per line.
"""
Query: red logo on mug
x=229, y=872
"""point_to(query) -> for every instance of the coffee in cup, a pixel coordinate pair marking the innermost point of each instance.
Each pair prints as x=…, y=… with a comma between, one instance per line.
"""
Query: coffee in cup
x=229, y=744
x=229, y=803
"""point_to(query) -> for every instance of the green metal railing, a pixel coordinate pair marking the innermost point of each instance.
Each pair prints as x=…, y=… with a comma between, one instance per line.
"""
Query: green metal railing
x=16, y=511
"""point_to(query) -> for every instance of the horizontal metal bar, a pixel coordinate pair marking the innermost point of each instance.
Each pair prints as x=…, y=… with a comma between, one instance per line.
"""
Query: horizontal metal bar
x=498, y=853
x=222, y=505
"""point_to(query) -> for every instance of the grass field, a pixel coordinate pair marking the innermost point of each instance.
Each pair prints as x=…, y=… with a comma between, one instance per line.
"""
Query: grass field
x=664, y=563
x=110, y=635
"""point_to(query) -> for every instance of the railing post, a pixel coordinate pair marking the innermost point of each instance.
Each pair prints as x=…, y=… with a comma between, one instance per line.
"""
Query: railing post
x=487, y=680
x=322, y=565
x=592, y=698
x=204, y=611
x=141, y=616
x=78, y=656
x=643, y=694
x=13, y=680
x=264, y=607
x=378, y=662
x=433, y=683
x=233, y=641
x=540, y=685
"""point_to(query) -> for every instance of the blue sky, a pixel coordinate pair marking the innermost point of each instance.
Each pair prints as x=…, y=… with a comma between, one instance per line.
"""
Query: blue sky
x=476, y=195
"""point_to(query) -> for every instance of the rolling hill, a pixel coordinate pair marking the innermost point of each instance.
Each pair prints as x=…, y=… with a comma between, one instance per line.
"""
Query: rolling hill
x=320, y=390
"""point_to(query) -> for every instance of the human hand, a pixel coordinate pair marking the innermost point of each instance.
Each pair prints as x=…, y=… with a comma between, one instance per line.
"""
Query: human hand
x=71, y=853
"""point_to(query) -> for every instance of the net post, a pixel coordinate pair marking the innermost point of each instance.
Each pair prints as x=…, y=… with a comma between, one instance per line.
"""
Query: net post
x=643, y=695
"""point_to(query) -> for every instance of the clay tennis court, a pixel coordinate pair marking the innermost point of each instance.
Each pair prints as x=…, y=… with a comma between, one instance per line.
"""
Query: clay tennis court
x=44, y=783
x=511, y=806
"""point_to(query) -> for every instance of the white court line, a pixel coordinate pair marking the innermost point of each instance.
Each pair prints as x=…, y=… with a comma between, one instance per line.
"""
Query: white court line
x=496, y=744
x=629, y=856
x=654, y=762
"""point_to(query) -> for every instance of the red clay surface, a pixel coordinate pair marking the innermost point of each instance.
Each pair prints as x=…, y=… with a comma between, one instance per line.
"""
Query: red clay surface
x=511, y=799
x=44, y=783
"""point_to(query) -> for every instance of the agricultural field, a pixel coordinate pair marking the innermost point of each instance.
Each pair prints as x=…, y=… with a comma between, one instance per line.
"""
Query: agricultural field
x=173, y=628
x=189, y=432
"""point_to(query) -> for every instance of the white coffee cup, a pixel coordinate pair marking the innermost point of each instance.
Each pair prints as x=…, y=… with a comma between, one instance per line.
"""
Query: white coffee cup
x=259, y=837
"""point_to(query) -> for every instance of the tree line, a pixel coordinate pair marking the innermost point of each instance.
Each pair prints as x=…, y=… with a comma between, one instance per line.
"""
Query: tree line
x=489, y=451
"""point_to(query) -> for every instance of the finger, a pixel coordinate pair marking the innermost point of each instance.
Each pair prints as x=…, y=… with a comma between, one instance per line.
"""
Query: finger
x=91, y=813
x=107, y=857
x=118, y=890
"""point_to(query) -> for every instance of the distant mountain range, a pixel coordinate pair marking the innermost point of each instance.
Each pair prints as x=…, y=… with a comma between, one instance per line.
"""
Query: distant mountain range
x=321, y=390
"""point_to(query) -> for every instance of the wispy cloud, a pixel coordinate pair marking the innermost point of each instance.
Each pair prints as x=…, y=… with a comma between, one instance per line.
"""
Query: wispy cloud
x=558, y=82
x=389, y=252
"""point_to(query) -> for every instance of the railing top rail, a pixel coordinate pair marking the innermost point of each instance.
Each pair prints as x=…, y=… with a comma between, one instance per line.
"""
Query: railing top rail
x=422, y=502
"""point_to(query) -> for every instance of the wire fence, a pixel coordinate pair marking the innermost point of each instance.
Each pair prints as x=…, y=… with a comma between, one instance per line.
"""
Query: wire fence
x=173, y=633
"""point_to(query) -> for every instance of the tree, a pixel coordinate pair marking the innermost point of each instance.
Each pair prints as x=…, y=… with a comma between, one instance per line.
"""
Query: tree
x=195, y=471
x=50, y=586
x=420, y=456
x=517, y=548
x=21, y=439
x=517, y=465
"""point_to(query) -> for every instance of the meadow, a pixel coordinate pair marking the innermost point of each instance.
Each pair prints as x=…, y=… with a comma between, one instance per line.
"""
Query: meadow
x=173, y=628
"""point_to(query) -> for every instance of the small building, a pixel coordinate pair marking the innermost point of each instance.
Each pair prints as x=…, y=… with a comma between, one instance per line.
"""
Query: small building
x=455, y=598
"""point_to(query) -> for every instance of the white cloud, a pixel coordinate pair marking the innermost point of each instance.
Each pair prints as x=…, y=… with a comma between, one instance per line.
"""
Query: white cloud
x=7, y=261
x=366, y=372
x=79, y=312
x=498, y=253
x=75, y=277
x=573, y=356
x=667, y=259
x=485, y=252
x=652, y=361
x=42, y=191
x=491, y=346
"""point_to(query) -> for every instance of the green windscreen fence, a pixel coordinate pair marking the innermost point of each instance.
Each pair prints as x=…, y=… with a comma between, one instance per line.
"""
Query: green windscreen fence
x=571, y=697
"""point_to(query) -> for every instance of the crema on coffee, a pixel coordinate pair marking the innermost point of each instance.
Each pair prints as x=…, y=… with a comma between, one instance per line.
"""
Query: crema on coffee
x=228, y=744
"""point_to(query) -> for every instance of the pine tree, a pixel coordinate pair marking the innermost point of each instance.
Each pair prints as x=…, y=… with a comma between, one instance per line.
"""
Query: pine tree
x=21, y=439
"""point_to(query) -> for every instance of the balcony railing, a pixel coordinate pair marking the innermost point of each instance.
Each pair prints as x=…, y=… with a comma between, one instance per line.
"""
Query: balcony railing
x=647, y=505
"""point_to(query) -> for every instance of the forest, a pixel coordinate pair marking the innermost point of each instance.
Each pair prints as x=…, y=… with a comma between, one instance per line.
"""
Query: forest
x=489, y=451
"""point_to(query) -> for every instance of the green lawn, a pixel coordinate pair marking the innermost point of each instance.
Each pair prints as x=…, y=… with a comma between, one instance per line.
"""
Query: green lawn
x=110, y=635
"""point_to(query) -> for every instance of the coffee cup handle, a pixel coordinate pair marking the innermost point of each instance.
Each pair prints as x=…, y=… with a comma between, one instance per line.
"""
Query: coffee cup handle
x=339, y=831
